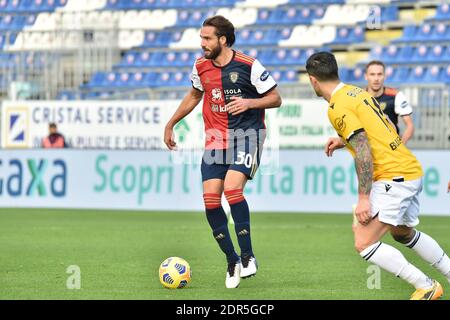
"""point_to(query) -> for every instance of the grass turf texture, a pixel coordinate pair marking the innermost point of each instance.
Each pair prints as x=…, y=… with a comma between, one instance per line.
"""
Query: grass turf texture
x=301, y=256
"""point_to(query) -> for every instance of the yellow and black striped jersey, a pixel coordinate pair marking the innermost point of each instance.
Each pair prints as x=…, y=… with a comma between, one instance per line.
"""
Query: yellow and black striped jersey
x=352, y=110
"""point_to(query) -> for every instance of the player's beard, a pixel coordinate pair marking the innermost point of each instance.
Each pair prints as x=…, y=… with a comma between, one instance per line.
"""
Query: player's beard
x=377, y=88
x=214, y=53
x=317, y=91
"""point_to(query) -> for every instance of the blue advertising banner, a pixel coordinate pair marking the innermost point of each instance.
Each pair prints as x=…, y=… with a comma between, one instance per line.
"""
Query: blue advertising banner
x=287, y=181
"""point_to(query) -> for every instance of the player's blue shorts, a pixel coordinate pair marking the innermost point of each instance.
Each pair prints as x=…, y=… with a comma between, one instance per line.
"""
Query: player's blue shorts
x=244, y=157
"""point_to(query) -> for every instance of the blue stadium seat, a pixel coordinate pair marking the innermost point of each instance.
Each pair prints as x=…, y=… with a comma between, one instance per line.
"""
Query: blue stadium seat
x=6, y=60
x=376, y=53
x=185, y=59
x=150, y=59
x=409, y=34
x=405, y=54
x=139, y=4
x=344, y=74
x=420, y=55
x=7, y=39
x=278, y=57
x=296, y=56
x=129, y=80
x=35, y=60
x=192, y=18
x=143, y=4
x=283, y=57
x=390, y=54
x=255, y=53
x=163, y=79
x=276, y=75
x=397, y=75
x=91, y=95
x=280, y=34
x=128, y=60
x=441, y=32
x=289, y=76
x=7, y=22
x=443, y=12
x=177, y=59
x=180, y=79
x=436, y=54
x=320, y=2
x=346, y=35
x=137, y=80
x=424, y=33
x=296, y=16
x=66, y=95
x=26, y=6
x=97, y=80
x=433, y=74
x=113, y=5
x=160, y=39
x=417, y=74
x=446, y=55
x=10, y=6
x=168, y=59
x=261, y=37
x=42, y=5
x=150, y=78
x=309, y=52
x=445, y=75
x=173, y=79
x=111, y=79
x=258, y=37
x=389, y=13
x=355, y=76
x=266, y=16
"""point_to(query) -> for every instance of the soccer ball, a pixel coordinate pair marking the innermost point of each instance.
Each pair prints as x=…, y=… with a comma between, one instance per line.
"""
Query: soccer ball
x=174, y=273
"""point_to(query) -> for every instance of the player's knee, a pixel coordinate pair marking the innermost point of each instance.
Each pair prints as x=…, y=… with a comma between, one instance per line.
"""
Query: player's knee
x=361, y=245
x=212, y=200
x=403, y=237
x=234, y=196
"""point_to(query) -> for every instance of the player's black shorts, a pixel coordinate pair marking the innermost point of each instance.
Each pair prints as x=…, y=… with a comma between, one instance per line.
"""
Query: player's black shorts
x=244, y=156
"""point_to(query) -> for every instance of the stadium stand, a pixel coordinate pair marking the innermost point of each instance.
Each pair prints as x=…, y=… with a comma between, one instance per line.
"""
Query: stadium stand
x=128, y=49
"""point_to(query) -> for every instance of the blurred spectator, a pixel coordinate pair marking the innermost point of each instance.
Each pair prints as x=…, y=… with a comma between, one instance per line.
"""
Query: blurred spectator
x=54, y=139
x=391, y=101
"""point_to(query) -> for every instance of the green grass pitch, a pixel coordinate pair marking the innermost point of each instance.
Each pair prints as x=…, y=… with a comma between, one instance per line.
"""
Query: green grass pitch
x=301, y=256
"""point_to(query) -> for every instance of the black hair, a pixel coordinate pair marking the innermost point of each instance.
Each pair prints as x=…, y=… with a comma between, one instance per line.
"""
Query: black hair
x=375, y=63
x=323, y=66
x=223, y=28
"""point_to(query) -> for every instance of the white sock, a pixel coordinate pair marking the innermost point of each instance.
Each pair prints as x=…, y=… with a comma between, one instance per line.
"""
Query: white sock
x=430, y=251
x=393, y=261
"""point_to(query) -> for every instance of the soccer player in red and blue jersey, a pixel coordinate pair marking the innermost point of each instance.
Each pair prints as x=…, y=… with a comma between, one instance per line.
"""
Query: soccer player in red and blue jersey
x=236, y=89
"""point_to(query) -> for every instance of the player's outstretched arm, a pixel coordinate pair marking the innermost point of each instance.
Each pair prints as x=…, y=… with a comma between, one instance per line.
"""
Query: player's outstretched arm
x=271, y=99
x=190, y=101
x=332, y=144
x=409, y=128
x=364, y=170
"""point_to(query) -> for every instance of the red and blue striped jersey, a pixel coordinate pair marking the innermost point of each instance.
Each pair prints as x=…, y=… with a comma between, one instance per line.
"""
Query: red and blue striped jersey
x=243, y=77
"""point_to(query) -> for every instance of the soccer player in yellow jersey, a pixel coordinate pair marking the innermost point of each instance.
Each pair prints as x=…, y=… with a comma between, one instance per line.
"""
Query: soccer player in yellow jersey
x=389, y=179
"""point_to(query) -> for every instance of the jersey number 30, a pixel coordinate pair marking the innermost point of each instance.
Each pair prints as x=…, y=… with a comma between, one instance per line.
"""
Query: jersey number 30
x=245, y=159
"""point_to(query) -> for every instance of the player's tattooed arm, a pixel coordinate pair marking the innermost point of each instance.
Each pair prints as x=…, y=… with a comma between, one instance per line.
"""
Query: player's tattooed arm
x=364, y=170
x=363, y=161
